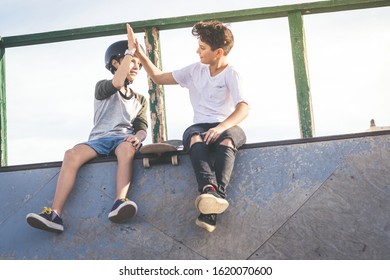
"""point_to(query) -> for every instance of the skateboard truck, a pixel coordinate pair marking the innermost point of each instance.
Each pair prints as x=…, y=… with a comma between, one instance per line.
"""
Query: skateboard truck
x=155, y=152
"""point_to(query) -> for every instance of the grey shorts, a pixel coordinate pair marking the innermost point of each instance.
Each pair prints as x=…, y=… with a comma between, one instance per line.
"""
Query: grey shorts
x=235, y=133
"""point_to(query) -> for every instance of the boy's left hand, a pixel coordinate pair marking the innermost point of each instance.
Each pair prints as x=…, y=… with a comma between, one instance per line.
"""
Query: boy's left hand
x=133, y=140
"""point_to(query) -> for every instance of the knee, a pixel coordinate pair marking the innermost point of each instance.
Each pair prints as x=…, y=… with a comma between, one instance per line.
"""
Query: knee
x=125, y=150
x=195, y=139
x=227, y=142
x=71, y=157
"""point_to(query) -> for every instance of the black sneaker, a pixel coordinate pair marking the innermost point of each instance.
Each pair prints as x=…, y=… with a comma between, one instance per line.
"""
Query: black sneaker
x=46, y=220
x=123, y=209
x=210, y=202
x=208, y=222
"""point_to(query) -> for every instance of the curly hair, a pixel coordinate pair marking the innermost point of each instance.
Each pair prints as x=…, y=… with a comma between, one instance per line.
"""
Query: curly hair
x=215, y=34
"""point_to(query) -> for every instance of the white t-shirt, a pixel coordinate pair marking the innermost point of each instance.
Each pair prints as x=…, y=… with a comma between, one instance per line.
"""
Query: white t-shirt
x=213, y=99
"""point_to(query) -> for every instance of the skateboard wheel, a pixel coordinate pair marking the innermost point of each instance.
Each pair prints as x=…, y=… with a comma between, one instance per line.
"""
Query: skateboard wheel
x=174, y=160
x=145, y=162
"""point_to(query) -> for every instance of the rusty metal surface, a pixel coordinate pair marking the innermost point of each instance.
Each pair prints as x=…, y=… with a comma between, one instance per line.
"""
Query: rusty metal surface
x=321, y=200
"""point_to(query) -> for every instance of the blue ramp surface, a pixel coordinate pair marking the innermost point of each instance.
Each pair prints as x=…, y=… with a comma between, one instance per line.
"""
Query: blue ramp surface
x=324, y=198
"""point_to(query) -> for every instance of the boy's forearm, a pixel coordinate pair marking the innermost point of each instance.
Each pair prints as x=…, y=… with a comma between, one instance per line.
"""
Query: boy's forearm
x=121, y=74
x=239, y=114
x=158, y=76
x=141, y=135
x=149, y=67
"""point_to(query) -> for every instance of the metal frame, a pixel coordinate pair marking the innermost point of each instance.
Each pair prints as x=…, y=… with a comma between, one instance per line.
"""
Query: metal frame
x=294, y=14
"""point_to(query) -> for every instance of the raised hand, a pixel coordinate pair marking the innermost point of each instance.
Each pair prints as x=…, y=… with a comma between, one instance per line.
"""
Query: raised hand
x=132, y=42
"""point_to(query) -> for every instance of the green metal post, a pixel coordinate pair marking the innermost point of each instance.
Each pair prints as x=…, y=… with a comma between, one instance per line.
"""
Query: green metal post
x=3, y=111
x=156, y=92
x=301, y=72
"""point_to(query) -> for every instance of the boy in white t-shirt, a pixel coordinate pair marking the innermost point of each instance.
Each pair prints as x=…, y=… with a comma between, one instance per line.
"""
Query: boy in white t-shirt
x=218, y=104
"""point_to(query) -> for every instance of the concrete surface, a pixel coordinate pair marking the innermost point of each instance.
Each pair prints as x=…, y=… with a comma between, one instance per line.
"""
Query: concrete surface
x=324, y=198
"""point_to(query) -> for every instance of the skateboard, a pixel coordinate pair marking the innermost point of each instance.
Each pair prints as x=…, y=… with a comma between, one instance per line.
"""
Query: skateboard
x=154, y=152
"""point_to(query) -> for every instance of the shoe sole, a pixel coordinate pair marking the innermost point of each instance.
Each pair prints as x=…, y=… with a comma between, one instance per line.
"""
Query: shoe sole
x=206, y=226
x=209, y=204
x=38, y=222
x=123, y=212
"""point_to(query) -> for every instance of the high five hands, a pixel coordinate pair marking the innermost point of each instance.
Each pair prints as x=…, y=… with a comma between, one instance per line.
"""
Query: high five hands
x=132, y=42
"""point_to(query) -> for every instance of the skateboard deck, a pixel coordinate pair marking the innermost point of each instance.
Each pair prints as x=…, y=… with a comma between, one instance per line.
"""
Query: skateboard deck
x=154, y=152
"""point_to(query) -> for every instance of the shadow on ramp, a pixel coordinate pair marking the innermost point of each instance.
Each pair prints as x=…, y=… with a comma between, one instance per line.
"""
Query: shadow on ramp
x=324, y=198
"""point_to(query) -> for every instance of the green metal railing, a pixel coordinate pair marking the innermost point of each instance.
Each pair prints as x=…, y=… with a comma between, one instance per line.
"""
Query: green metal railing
x=3, y=115
x=294, y=13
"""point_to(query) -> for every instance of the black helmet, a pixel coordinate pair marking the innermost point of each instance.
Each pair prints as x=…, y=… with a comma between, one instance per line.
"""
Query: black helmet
x=116, y=51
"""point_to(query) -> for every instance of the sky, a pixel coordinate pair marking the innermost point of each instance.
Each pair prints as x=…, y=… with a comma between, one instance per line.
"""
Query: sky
x=50, y=87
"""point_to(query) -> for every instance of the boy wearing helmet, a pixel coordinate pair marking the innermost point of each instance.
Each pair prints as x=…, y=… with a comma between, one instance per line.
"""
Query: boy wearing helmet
x=120, y=125
x=219, y=106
